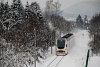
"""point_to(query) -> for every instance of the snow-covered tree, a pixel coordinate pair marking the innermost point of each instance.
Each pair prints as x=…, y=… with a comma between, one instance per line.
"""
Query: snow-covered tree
x=52, y=7
x=85, y=19
x=85, y=22
x=79, y=21
x=1, y=10
x=17, y=11
x=25, y=29
x=95, y=33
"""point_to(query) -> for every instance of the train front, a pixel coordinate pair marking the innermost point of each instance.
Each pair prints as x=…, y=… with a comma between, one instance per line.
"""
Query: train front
x=61, y=47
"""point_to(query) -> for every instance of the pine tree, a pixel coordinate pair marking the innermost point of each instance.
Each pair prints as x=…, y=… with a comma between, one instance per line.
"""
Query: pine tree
x=27, y=11
x=1, y=10
x=36, y=9
x=7, y=9
x=79, y=21
x=18, y=10
x=4, y=14
x=85, y=21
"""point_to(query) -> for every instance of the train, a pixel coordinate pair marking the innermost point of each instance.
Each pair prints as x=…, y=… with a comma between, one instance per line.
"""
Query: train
x=62, y=45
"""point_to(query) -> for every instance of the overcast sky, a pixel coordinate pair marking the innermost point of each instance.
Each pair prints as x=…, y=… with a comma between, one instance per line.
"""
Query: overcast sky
x=64, y=3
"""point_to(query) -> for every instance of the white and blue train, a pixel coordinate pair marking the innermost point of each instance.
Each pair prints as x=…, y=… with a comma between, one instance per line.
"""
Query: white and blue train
x=62, y=45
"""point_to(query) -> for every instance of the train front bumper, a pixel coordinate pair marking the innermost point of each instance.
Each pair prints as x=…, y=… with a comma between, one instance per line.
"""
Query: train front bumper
x=61, y=53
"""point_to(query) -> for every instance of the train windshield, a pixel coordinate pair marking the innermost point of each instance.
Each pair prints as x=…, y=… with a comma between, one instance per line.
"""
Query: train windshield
x=60, y=44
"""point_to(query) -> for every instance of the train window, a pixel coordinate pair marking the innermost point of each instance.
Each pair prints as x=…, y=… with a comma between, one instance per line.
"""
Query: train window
x=60, y=44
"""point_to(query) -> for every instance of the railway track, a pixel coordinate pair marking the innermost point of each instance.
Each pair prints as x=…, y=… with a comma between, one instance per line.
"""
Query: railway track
x=55, y=62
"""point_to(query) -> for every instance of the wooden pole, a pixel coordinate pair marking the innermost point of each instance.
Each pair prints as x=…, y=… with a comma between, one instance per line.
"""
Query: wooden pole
x=87, y=58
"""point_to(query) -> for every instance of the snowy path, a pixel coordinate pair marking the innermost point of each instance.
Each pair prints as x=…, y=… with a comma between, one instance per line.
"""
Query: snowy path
x=56, y=61
x=77, y=55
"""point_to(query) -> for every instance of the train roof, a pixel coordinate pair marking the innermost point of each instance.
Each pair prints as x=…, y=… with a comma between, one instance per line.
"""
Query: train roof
x=67, y=35
x=61, y=39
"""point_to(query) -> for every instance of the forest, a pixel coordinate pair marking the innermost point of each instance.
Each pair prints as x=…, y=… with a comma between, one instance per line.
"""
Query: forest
x=26, y=32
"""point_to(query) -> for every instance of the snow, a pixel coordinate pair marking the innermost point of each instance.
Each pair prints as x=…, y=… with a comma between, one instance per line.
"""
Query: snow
x=94, y=61
x=51, y=26
x=76, y=56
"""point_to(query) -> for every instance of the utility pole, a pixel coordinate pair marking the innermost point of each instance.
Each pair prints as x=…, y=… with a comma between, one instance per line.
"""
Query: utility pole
x=35, y=49
x=51, y=41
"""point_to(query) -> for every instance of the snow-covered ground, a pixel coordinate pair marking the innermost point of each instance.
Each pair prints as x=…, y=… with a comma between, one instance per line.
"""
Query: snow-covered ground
x=76, y=56
x=94, y=61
